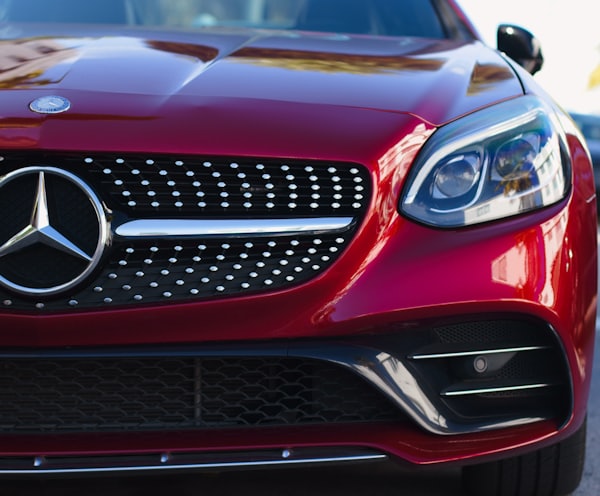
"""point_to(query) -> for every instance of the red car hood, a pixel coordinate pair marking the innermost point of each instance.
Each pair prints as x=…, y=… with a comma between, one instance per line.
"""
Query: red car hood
x=176, y=93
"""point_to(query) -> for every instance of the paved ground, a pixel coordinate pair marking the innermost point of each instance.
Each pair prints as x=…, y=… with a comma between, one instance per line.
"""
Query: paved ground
x=590, y=485
x=382, y=480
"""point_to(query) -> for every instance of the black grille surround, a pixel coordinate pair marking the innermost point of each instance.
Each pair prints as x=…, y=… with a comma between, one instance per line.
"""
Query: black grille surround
x=151, y=270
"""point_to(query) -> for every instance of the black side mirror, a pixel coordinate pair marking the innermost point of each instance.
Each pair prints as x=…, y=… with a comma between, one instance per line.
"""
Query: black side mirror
x=521, y=46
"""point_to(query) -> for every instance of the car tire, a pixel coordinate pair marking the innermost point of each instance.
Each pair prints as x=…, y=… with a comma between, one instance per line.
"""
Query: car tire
x=552, y=471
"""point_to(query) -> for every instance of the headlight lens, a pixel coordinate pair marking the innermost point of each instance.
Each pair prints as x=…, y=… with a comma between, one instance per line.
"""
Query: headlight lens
x=495, y=163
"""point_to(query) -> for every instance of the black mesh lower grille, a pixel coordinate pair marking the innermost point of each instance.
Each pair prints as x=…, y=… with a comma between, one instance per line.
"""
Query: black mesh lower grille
x=127, y=394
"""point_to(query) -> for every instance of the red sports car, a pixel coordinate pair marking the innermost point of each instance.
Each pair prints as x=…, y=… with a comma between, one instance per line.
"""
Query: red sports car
x=239, y=233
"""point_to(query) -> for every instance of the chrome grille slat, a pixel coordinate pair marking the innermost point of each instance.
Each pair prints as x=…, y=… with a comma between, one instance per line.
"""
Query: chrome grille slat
x=171, y=228
x=456, y=354
x=465, y=391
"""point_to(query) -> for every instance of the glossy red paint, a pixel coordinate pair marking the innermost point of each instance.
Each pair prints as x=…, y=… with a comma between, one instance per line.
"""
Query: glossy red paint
x=356, y=99
x=196, y=99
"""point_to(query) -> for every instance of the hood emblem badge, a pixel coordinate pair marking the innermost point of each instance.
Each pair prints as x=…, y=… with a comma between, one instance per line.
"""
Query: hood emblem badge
x=51, y=104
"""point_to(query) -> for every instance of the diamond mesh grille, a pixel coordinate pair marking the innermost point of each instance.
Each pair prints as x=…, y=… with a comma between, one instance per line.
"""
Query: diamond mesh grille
x=147, y=270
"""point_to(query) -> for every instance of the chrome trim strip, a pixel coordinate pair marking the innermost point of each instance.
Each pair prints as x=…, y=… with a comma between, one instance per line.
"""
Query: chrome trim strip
x=143, y=228
x=164, y=466
x=428, y=356
x=466, y=392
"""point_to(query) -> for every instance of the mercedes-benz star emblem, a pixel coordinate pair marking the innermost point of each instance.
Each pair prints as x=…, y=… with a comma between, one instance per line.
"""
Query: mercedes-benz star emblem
x=53, y=231
x=51, y=104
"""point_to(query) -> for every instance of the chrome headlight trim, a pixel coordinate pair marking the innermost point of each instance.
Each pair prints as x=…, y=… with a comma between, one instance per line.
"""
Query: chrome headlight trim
x=508, y=159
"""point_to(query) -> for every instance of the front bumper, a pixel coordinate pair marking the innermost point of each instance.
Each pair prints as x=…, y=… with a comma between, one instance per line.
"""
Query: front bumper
x=431, y=377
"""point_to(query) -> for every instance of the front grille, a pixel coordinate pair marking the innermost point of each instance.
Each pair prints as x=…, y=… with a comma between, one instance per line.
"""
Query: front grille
x=142, y=394
x=138, y=269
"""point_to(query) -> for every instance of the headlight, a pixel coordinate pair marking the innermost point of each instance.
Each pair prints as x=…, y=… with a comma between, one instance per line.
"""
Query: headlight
x=495, y=163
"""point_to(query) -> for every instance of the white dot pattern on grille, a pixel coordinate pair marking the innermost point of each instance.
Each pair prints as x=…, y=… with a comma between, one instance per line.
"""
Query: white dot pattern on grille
x=164, y=271
x=249, y=187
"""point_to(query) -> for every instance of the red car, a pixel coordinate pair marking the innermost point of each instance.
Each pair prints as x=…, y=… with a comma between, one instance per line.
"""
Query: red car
x=239, y=233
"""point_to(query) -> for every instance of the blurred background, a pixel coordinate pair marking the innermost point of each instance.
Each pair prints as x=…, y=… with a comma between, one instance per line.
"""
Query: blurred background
x=570, y=37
